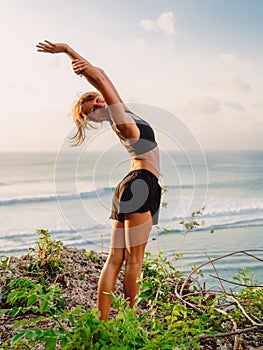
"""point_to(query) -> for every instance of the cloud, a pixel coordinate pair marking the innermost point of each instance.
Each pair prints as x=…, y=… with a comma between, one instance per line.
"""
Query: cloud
x=232, y=83
x=203, y=104
x=229, y=59
x=165, y=24
x=233, y=105
x=233, y=61
x=147, y=24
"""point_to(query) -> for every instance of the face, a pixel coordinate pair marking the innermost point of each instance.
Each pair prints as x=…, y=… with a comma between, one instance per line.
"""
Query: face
x=96, y=109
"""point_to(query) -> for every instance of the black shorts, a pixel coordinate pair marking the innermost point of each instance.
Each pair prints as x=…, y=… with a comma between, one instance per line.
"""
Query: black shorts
x=138, y=192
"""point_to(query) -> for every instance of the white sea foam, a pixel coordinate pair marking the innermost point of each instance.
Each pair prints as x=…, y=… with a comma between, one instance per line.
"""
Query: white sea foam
x=29, y=200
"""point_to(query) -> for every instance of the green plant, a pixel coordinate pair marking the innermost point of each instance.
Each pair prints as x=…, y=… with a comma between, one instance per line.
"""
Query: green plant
x=173, y=311
x=158, y=274
x=248, y=299
x=92, y=256
x=177, y=321
x=192, y=222
x=4, y=261
x=46, y=253
x=23, y=295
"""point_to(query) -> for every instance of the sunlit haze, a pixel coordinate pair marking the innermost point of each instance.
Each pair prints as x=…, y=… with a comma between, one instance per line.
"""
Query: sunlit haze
x=202, y=61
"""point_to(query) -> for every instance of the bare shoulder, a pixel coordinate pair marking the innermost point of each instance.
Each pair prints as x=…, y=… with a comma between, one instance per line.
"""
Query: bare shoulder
x=124, y=124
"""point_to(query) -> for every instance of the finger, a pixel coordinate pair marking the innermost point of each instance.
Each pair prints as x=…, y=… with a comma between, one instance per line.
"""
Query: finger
x=77, y=70
x=47, y=45
x=75, y=65
x=49, y=42
x=44, y=49
x=79, y=65
x=41, y=45
x=41, y=49
x=77, y=60
x=44, y=43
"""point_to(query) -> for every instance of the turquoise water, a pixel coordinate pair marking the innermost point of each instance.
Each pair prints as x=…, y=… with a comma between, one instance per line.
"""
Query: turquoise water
x=73, y=200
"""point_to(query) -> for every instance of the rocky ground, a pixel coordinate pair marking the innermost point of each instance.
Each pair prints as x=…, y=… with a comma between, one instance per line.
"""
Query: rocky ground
x=79, y=279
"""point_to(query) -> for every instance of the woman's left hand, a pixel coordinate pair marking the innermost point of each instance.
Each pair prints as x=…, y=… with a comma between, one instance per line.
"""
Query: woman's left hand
x=50, y=47
x=79, y=66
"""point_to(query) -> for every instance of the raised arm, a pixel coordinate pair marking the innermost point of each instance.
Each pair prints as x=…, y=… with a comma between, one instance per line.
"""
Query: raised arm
x=110, y=84
x=94, y=75
x=98, y=78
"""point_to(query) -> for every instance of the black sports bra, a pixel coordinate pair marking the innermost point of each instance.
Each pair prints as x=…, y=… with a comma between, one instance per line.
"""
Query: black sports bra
x=146, y=141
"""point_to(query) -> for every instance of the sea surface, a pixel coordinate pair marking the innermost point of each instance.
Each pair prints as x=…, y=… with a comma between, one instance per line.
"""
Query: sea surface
x=70, y=194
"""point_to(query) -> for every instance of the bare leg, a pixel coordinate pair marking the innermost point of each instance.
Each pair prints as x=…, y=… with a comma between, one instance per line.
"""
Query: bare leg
x=111, y=269
x=137, y=229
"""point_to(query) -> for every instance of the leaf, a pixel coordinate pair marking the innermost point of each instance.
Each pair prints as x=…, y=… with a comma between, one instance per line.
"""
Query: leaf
x=210, y=332
x=30, y=334
x=4, y=311
x=43, y=306
x=39, y=333
x=22, y=322
x=15, y=311
x=200, y=273
x=19, y=335
x=51, y=344
x=71, y=319
x=32, y=299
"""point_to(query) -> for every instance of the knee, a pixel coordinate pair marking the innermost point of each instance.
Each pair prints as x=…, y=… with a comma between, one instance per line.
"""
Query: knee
x=114, y=260
x=134, y=264
x=133, y=259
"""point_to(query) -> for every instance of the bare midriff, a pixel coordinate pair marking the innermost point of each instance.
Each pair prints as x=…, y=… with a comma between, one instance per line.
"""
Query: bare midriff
x=149, y=161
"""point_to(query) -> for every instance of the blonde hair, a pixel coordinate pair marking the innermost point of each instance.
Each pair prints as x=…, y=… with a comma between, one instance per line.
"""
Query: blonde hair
x=81, y=119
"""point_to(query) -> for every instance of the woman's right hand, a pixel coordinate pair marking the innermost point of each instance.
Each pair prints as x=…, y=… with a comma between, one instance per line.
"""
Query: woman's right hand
x=50, y=47
x=79, y=66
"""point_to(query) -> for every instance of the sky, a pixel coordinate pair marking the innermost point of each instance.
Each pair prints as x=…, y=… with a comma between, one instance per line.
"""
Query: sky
x=199, y=60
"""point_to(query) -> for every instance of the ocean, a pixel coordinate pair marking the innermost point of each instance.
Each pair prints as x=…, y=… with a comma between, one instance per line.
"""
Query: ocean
x=70, y=194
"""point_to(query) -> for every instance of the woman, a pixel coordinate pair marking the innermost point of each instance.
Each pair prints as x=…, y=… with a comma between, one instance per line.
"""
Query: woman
x=136, y=199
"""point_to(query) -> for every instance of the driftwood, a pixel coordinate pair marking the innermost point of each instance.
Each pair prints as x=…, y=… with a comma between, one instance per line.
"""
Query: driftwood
x=257, y=323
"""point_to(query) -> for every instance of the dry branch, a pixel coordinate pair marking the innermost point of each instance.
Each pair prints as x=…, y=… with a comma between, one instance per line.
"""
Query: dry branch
x=229, y=334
